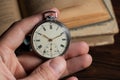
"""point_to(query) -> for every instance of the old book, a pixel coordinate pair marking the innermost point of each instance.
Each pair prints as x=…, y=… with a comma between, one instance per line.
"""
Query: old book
x=100, y=28
x=9, y=13
x=87, y=11
x=97, y=40
x=74, y=13
x=101, y=33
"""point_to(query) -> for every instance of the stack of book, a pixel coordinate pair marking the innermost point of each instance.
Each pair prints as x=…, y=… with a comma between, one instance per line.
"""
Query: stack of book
x=92, y=21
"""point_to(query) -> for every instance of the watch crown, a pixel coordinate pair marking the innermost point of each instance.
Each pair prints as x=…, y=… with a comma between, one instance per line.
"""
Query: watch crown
x=50, y=15
x=50, y=18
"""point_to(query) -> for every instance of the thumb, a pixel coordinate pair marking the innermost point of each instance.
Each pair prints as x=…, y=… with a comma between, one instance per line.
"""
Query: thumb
x=50, y=70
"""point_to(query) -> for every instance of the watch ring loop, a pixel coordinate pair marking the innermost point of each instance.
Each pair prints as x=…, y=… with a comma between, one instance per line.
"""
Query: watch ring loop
x=50, y=13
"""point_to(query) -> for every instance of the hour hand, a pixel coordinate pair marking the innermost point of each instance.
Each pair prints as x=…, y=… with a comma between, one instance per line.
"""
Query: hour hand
x=58, y=35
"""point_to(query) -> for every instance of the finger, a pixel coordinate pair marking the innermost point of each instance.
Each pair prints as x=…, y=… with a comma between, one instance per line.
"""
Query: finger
x=11, y=62
x=77, y=49
x=50, y=70
x=29, y=61
x=53, y=9
x=78, y=63
x=5, y=74
x=19, y=72
x=72, y=78
x=16, y=34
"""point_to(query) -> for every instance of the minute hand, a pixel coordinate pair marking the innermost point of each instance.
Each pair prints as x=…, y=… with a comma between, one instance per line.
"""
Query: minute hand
x=44, y=35
x=58, y=36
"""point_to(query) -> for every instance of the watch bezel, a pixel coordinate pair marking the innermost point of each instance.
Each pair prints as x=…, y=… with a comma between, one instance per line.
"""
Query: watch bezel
x=62, y=26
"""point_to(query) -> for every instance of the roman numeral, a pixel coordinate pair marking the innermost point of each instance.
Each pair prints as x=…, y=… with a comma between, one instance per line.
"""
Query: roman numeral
x=62, y=45
x=38, y=33
x=44, y=51
x=37, y=40
x=50, y=26
x=63, y=39
x=40, y=46
x=57, y=28
x=43, y=28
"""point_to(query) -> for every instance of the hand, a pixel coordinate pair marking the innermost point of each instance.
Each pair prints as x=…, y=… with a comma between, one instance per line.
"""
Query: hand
x=14, y=67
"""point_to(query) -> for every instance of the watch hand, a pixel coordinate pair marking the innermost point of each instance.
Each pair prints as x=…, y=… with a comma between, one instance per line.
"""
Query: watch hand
x=51, y=49
x=44, y=36
x=58, y=36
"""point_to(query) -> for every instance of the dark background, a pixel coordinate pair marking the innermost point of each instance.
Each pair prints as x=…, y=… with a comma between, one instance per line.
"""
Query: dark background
x=106, y=59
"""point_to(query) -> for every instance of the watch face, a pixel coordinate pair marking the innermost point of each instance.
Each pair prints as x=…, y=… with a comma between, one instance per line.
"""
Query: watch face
x=50, y=39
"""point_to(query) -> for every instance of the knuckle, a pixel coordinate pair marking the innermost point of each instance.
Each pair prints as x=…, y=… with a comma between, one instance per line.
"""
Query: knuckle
x=15, y=23
x=87, y=61
x=45, y=73
x=84, y=48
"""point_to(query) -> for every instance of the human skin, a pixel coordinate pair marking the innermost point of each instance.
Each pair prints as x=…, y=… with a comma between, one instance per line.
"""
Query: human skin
x=14, y=67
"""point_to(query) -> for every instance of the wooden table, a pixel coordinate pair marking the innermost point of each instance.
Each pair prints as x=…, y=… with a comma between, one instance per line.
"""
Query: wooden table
x=106, y=59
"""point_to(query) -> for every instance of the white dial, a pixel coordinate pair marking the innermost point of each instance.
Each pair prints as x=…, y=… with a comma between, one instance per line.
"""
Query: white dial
x=50, y=39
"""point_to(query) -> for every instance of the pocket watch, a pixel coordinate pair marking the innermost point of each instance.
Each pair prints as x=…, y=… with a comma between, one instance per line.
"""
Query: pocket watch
x=50, y=38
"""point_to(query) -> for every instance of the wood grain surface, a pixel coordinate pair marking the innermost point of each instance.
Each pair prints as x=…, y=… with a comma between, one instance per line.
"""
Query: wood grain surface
x=106, y=59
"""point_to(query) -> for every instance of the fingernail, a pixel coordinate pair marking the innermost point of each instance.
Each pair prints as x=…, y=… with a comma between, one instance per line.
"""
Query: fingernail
x=72, y=78
x=58, y=64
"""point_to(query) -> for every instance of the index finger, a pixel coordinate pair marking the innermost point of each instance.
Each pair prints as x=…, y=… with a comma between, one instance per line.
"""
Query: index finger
x=16, y=34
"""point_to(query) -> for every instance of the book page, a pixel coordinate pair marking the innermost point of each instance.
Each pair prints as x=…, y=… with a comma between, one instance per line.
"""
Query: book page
x=96, y=40
x=74, y=13
x=89, y=12
x=9, y=13
x=108, y=27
